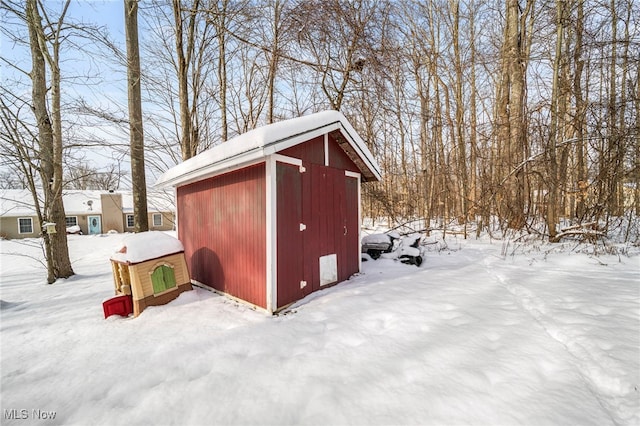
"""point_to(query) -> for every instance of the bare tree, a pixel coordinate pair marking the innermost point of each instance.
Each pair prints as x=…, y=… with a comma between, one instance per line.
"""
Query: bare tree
x=460, y=142
x=81, y=175
x=191, y=35
x=636, y=154
x=558, y=109
x=467, y=123
x=336, y=37
x=138, y=178
x=278, y=18
x=579, y=122
x=218, y=14
x=49, y=123
x=473, y=117
x=511, y=143
x=185, y=45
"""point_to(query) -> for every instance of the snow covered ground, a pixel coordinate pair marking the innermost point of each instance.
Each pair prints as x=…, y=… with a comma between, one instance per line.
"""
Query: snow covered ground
x=546, y=336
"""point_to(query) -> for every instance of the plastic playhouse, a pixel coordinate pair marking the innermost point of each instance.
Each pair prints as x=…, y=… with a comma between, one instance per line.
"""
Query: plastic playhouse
x=148, y=270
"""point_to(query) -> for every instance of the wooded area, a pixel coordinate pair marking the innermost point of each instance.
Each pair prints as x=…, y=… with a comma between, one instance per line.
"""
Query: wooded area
x=522, y=111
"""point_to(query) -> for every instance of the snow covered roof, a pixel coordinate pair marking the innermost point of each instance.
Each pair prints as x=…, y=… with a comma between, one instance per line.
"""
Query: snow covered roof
x=145, y=246
x=263, y=141
x=157, y=201
x=19, y=202
x=81, y=202
x=16, y=202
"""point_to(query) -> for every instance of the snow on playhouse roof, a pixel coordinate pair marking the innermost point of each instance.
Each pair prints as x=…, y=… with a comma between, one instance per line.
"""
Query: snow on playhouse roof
x=143, y=246
x=267, y=140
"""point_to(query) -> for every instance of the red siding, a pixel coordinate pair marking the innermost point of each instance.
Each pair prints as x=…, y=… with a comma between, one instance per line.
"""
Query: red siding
x=290, y=251
x=311, y=151
x=353, y=227
x=330, y=211
x=326, y=201
x=338, y=158
x=222, y=224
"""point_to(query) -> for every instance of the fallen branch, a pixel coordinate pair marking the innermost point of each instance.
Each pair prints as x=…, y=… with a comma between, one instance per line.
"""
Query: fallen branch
x=589, y=225
x=586, y=234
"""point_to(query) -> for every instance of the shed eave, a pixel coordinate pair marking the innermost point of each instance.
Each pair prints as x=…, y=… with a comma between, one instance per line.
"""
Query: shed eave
x=362, y=151
x=212, y=169
x=329, y=122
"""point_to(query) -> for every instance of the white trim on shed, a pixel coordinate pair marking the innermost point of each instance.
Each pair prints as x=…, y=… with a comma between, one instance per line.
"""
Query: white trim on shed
x=262, y=142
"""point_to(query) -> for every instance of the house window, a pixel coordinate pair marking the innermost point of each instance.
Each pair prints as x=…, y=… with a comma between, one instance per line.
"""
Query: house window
x=163, y=279
x=157, y=219
x=71, y=221
x=25, y=225
x=129, y=221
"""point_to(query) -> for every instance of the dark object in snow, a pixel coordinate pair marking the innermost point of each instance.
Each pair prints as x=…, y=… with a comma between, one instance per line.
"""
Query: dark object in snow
x=119, y=305
x=376, y=244
x=405, y=248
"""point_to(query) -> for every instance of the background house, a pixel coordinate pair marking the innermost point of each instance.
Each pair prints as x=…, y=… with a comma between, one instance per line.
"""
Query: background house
x=274, y=214
x=93, y=212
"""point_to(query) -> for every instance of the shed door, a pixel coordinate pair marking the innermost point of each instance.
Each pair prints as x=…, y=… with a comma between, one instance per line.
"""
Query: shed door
x=290, y=238
x=351, y=220
x=333, y=230
x=326, y=250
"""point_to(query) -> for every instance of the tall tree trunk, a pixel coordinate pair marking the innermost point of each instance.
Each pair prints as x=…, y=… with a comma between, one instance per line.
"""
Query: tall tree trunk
x=274, y=58
x=554, y=132
x=461, y=157
x=220, y=20
x=49, y=140
x=440, y=191
x=402, y=190
x=184, y=54
x=580, y=121
x=517, y=128
x=136, y=136
x=621, y=145
x=510, y=119
x=637, y=143
x=425, y=180
x=613, y=139
x=473, y=125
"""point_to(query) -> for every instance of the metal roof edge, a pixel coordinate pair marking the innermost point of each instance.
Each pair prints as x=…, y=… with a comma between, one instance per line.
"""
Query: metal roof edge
x=212, y=169
x=363, y=151
x=241, y=159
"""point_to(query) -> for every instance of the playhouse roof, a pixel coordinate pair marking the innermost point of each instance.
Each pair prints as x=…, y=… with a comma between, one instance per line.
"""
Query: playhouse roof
x=145, y=246
x=263, y=141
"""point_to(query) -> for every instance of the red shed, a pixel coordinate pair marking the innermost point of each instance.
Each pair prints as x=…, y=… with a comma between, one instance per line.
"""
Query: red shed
x=274, y=214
